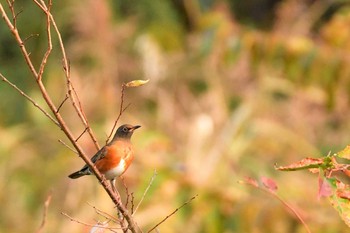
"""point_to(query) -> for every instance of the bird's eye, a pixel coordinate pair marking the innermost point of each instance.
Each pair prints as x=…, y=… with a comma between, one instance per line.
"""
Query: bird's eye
x=125, y=130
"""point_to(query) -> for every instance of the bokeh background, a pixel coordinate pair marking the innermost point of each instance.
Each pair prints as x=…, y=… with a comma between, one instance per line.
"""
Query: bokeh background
x=235, y=87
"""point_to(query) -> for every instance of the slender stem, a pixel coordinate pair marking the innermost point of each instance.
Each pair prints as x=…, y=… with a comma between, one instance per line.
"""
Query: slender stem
x=121, y=110
x=46, y=207
x=172, y=213
x=97, y=225
x=145, y=192
x=29, y=99
x=66, y=67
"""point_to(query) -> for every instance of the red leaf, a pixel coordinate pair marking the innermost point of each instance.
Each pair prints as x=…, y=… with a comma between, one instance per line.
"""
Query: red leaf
x=303, y=164
x=345, y=194
x=250, y=181
x=324, y=188
x=347, y=172
x=269, y=183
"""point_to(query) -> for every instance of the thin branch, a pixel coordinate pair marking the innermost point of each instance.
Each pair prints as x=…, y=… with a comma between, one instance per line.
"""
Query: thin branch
x=81, y=135
x=172, y=213
x=46, y=207
x=12, y=9
x=105, y=214
x=60, y=106
x=16, y=16
x=126, y=191
x=291, y=209
x=84, y=119
x=88, y=224
x=116, y=122
x=132, y=202
x=288, y=206
x=19, y=40
x=145, y=192
x=29, y=99
x=49, y=43
x=29, y=37
x=65, y=144
x=121, y=110
x=66, y=68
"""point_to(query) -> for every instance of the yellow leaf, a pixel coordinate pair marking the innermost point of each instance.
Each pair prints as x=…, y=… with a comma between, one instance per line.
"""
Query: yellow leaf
x=136, y=83
x=344, y=153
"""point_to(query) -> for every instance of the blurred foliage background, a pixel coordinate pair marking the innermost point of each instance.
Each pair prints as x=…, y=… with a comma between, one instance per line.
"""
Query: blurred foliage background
x=235, y=87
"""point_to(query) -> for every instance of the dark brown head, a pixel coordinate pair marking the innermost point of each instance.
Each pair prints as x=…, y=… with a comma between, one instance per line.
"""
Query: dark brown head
x=125, y=131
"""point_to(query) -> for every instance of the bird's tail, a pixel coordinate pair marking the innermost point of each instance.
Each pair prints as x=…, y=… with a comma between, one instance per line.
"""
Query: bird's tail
x=77, y=174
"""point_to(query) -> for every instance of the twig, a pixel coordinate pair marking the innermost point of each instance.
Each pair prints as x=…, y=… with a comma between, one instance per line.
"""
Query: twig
x=60, y=106
x=49, y=43
x=81, y=135
x=12, y=9
x=145, y=192
x=28, y=37
x=121, y=110
x=116, y=121
x=46, y=207
x=88, y=224
x=66, y=69
x=132, y=202
x=105, y=214
x=19, y=40
x=172, y=213
x=65, y=144
x=29, y=98
x=85, y=120
x=126, y=191
x=268, y=191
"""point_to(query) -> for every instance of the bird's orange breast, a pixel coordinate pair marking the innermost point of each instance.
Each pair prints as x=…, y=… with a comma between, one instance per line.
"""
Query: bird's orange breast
x=119, y=155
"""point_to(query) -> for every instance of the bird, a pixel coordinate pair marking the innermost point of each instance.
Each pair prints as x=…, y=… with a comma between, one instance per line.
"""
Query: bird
x=114, y=158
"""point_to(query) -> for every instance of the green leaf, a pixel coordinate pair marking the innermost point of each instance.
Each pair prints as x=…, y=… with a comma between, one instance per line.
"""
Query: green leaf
x=340, y=200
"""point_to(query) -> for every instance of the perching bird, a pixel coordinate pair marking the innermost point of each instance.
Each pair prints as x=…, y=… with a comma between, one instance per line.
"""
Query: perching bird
x=113, y=159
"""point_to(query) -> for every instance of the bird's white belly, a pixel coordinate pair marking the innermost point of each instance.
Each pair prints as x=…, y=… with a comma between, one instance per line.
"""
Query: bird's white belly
x=115, y=172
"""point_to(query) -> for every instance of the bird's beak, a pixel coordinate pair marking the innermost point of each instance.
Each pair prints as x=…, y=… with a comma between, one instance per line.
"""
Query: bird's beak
x=136, y=127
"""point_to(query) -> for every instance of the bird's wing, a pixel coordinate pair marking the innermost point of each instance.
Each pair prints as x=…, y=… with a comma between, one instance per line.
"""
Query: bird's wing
x=99, y=155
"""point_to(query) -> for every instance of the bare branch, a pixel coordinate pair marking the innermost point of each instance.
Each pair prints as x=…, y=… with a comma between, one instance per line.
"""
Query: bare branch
x=29, y=37
x=46, y=207
x=29, y=98
x=14, y=14
x=172, y=213
x=126, y=191
x=132, y=203
x=60, y=106
x=49, y=43
x=66, y=69
x=121, y=110
x=81, y=135
x=105, y=214
x=65, y=144
x=84, y=118
x=145, y=192
x=288, y=206
x=19, y=40
x=90, y=225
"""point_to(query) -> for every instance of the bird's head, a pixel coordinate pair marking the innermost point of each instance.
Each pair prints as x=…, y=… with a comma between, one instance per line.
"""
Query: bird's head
x=125, y=131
